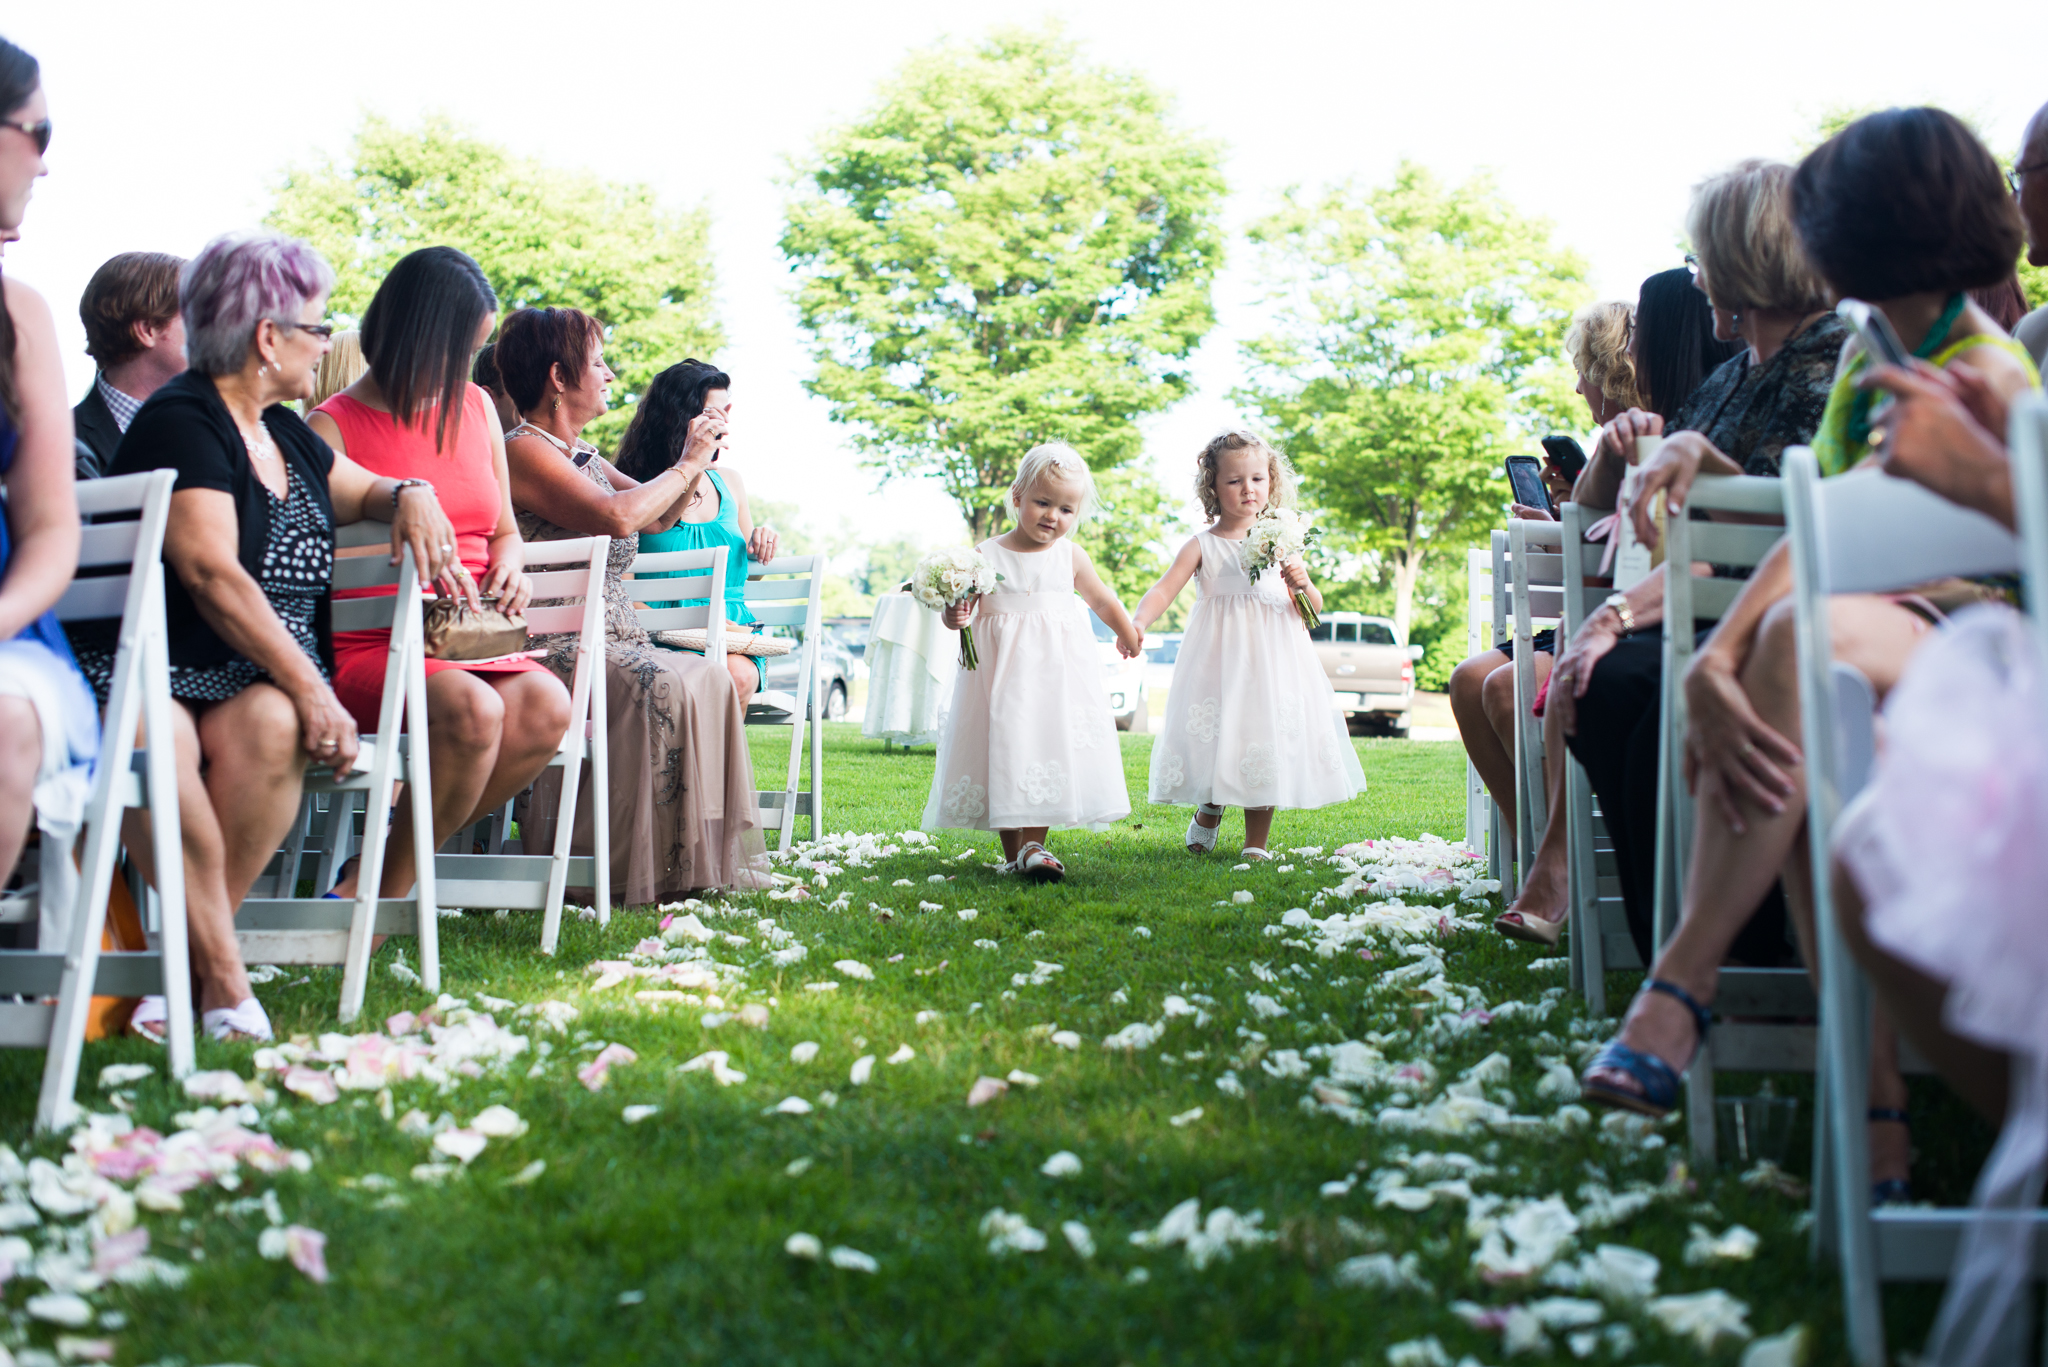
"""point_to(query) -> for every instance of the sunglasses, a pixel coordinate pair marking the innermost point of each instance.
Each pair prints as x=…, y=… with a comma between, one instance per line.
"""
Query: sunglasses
x=323, y=331
x=37, y=132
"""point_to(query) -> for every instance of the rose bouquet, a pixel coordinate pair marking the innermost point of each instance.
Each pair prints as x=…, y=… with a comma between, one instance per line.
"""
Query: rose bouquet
x=946, y=578
x=1277, y=536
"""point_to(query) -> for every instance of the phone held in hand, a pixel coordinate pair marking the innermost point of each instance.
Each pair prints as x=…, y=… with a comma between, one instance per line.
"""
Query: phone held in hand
x=1875, y=332
x=1525, y=476
x=1566, y=454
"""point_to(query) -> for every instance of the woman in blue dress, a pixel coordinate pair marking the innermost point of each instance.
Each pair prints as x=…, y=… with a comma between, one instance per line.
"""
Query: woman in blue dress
x=715, y=513
x=49, y=724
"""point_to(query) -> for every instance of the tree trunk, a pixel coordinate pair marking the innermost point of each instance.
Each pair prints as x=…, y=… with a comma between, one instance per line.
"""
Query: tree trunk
x=1407, y=570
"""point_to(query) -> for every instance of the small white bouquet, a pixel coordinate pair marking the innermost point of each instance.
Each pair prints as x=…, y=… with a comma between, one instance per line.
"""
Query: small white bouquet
x=1277, y=536
x=946, y=578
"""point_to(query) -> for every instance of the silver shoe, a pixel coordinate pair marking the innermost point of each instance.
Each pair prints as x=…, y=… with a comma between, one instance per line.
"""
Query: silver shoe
x=1202, y=839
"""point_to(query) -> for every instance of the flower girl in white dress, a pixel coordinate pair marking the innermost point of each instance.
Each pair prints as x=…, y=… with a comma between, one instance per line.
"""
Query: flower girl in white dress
x=1029, y=743
x=1251, y=721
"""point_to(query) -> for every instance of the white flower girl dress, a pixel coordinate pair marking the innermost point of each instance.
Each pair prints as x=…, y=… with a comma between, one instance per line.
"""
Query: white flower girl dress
x=1251, y=721
x=1029, y=740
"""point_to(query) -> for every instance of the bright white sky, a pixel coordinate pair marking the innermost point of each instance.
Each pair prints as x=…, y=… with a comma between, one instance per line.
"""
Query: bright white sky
x=173, y=120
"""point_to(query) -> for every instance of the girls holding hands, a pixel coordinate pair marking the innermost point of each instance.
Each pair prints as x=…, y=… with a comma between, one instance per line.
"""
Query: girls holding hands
x=1029, y=743
x=1251, y=721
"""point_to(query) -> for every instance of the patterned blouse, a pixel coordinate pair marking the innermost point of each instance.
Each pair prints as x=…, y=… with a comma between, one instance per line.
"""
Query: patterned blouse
x=1753, y=412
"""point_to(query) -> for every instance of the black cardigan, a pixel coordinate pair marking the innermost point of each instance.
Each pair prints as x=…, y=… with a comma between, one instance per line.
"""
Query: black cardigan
x=186, y=427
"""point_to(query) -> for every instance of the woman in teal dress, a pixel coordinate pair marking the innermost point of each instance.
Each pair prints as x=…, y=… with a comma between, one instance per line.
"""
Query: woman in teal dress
x=716, y=512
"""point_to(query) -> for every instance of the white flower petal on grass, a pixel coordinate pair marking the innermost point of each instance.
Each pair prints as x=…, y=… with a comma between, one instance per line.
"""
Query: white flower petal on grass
x=1382, y=1272
x=1737, y=1244
x=936, y=878
x=1141, y=932
x=931, y=906
x=433, y=1173
x=903, y=883
x=633, y=1115
x=927, y=1017
x=854, y=968
x=124, y=1075
x=801, y=1245
x=461, y=1145
x=527, y=1174
x=904, y=1054
x=1078, y=1238
x=1424, y=1352
x=821, y=987
x=1007, y=1233
x=852, y=1260
x=1788, y=1349
x=790, y=1105
x=1136, y=1035
x=986, y=944
x=61, y=1307
x=1241, y=897
x=1019, y=1078
x=1705, y=1317
x=714, y=1062
x=1065, y=1163
x=863, y=1068
x=797, y=1167
x=498, y=1122
x=1066, y=1039
x=1263, y=1006
x=985, y=1090
x=967, y=913
x=1185, y=1118
x=804, y=1052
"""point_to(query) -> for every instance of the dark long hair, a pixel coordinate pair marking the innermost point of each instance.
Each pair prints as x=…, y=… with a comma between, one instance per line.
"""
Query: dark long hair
x=19, y=76
x=1675, y=340
x=418, y=331
x=662, y=418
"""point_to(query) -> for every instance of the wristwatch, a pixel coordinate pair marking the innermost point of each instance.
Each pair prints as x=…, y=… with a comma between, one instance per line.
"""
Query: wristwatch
x=1619, y=602
x=402, y=485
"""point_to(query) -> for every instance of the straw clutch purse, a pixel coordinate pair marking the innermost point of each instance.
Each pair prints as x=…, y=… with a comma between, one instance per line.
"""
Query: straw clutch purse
x=740, y=639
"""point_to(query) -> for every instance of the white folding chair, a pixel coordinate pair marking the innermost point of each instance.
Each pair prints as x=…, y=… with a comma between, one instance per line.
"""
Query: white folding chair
x=568, y=596
x=1600, y=939
x=1499, y=839
x=790, y=599
x=1536, y=560
x=126, y=776
x=1866, y=532
x=318, y=930
x=1478, y=637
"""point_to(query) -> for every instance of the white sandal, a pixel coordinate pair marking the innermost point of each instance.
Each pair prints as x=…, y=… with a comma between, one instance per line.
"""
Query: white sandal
x=1036, y=863
x=151, y=1019
x=238, y=1024
x=1202, y=839
x=1253, y=852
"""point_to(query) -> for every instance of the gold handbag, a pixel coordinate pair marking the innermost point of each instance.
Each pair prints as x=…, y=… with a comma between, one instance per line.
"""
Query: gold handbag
x=454, y=631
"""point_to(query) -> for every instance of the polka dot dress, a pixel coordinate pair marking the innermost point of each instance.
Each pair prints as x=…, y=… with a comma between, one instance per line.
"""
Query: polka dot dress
x=298, y=562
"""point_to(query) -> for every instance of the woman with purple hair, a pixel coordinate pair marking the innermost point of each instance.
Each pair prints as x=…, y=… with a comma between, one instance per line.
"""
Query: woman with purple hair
x=251, y=545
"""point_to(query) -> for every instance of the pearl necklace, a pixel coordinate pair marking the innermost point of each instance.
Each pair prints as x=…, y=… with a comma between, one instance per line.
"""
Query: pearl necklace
x=260, y=447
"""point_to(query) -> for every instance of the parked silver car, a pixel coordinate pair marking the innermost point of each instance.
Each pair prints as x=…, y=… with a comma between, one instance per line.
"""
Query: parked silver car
x=836, y=666
x=1124, y=680
x=1374, y=678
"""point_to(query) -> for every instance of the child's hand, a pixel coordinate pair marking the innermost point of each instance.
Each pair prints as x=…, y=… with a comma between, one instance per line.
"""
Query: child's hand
x=1131, y=646
x=1294, y=574
x=961, y=613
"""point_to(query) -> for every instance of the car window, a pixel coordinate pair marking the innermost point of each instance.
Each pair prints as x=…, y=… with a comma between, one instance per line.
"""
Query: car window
x=1347, y=631
x=1375, y=634
x=1322, y=632
x=1099, y=627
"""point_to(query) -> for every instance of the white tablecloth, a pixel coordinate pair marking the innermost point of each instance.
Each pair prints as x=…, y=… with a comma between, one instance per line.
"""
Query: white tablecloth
x=912, y=659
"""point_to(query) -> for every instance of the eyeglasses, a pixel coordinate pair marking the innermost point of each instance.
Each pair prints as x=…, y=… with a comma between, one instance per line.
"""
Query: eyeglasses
x=1692, y=263
x=323, y=331
x=2012, y=177
x=37, y=132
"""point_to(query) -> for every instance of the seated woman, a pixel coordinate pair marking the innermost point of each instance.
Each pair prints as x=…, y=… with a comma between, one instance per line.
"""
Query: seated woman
x=1907, y=210
x=1482, y=689
x=716, y=513
x=1764, y=298
x=682, y=779
x=49, y=730
x=491, y=726
x=250, y=542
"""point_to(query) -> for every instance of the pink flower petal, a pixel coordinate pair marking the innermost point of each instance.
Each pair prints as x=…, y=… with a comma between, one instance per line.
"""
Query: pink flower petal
x=310, y=1083
x=117, y=1251
x=985, y=1090
x=592, y=1074
x=307, y=1248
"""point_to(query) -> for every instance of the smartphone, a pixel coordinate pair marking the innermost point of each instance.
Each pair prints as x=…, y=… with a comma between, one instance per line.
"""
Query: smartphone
x=1876, y=333
x=1525, y=476
x=1566, y=454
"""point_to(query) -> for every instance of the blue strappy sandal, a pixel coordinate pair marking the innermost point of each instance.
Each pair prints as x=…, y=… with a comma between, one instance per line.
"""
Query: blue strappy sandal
x=1659, y=1081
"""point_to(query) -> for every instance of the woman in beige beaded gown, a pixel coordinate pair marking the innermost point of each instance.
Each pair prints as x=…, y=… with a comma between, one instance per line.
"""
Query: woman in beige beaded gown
x=682, y=780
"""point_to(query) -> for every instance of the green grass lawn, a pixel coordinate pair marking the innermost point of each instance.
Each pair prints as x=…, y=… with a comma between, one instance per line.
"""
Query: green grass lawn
x=663, y=1241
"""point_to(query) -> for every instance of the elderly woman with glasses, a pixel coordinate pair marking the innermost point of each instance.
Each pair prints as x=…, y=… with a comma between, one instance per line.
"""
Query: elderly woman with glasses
x=250, y=544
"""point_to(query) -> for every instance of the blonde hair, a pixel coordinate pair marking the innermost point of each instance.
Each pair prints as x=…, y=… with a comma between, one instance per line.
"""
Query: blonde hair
x=1597, y=342
x=1740, y=224
x=341, y=367
x=1052, y=460
x=1284, y=484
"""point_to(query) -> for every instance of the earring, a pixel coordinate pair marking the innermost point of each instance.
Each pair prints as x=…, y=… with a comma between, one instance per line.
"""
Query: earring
x=1735, y=323
x=557, y=407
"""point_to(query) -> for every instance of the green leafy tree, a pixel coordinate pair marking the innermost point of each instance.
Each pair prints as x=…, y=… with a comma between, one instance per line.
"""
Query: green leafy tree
x=1417, y=330
x=1010, y=247
x=544, y=236
x=1126, y=529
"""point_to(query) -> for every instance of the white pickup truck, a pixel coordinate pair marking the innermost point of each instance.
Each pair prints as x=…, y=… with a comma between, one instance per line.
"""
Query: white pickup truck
x=1374, y=678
